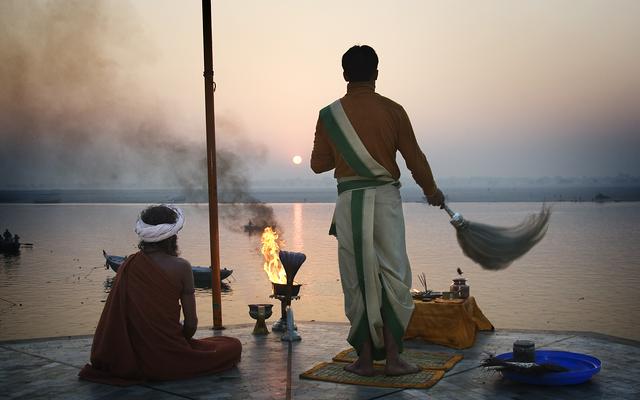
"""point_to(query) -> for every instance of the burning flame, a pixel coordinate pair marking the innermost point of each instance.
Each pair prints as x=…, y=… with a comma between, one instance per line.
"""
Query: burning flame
x=270, y=251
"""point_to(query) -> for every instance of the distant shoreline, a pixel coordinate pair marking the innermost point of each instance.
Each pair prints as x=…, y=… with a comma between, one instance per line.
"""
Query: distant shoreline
x=600, y=194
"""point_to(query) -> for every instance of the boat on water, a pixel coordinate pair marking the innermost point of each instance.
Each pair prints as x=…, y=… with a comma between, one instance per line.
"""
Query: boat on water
x=9, y=247
x=252, y=228
x=201, y=275
x=10, y=243
x=602, y=198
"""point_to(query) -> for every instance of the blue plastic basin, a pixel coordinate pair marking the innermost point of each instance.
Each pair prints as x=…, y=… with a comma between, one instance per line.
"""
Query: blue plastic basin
x=581, y=368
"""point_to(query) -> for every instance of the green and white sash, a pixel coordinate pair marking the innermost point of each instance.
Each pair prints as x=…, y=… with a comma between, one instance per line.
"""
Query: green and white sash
x=369, y=225
x=351, y=148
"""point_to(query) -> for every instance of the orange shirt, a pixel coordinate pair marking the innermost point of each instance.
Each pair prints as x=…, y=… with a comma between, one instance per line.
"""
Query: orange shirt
x=384, y=128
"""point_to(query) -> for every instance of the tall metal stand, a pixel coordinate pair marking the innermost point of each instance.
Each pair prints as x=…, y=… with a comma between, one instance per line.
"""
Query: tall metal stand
x=281, y=324
x=209, y=87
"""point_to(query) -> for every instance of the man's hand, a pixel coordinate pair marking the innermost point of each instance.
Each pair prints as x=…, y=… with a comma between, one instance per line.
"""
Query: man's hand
x=189, y=330
x=436, y=199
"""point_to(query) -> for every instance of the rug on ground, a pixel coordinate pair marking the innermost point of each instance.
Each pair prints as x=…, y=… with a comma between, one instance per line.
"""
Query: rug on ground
x=423, y=359
x=433, y=367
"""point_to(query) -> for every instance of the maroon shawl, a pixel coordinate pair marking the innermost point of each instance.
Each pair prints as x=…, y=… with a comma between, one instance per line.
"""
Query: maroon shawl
x=139, y=336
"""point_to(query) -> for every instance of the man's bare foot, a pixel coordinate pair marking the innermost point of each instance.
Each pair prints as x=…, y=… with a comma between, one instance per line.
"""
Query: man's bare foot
x=359, y=369
x=399, y=367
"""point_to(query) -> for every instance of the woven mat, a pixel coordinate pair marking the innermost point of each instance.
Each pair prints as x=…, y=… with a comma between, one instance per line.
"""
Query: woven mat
x=423, y=359
x=334, y=372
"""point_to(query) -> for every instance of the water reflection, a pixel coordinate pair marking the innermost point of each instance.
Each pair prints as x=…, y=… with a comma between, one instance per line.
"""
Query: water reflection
x=298, y=227
x=10, y=253
x=10, y=257
x=10, y=263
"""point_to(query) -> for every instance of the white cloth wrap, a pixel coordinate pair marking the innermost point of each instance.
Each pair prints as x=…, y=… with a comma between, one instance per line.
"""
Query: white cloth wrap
x=156, y=233
x=372, y=256
x=384, y=257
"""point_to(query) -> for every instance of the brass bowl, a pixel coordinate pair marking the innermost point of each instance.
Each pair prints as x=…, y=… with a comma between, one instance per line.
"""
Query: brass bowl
x=253, y=310
x=280, y=289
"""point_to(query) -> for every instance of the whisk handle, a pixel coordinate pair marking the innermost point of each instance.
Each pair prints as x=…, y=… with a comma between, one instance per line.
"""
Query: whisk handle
x=456, y=219
x=448, y=210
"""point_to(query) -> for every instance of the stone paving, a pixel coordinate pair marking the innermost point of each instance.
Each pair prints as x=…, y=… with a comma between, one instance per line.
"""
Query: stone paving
x=47, y=369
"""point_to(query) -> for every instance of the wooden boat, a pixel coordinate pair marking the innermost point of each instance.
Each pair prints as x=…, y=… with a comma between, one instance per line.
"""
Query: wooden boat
x=9, y=247
x=201, y=275
x=251, y=229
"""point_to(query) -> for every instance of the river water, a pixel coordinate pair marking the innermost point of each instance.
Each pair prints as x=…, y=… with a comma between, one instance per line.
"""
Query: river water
x=584, y=275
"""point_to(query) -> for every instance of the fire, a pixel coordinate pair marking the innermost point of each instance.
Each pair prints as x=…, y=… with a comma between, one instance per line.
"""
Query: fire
x=270, y=251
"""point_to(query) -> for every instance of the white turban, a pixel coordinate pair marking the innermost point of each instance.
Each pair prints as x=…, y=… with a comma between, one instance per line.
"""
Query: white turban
x=156, y=233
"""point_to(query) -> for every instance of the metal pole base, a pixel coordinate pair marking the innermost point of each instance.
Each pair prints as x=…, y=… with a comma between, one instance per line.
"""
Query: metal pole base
x=281, y=326
x=290, y=335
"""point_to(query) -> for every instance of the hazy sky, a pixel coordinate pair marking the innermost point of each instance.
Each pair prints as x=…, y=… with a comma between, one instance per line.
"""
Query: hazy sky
x=493, y=88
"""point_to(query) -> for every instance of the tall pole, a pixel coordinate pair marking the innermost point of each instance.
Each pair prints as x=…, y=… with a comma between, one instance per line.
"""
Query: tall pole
x=211, y=165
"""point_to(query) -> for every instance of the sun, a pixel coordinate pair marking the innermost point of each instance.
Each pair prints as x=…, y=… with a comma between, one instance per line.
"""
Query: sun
x=296, y=160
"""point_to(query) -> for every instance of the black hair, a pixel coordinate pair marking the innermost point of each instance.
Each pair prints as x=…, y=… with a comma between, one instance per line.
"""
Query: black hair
x=156, y=215
x=359, y=63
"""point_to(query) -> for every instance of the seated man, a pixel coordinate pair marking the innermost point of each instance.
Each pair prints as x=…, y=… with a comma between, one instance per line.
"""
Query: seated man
x=139, y=336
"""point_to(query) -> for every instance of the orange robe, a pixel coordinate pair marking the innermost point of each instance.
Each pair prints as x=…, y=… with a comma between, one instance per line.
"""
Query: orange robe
x=139, y=336
x=383, y=128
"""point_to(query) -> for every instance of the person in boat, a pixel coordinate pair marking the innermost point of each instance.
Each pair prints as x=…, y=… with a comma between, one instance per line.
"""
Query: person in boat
x=16, y=239
x=358, y=136
x=139, y=336
x=6, y=236
x=249, y=227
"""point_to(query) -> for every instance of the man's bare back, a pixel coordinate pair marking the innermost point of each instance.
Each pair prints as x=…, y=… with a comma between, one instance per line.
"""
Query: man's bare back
x=177, y=269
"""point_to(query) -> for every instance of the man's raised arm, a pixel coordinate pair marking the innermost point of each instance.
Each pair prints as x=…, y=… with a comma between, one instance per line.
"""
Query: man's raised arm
x=417, y=162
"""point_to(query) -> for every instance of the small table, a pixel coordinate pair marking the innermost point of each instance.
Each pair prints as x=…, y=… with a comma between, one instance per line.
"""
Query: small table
x=451, y=323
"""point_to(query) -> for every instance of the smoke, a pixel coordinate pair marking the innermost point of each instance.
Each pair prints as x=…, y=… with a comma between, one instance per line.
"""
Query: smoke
x=234, y=188
x=72, y=116
x=59, y=94
x=67, y=114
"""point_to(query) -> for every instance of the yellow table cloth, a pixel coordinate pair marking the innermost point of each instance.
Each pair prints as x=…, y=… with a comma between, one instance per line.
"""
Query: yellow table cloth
x=451, y=323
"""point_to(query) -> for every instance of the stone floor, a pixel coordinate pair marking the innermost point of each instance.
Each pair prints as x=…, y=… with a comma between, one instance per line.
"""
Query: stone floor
x=47, y=368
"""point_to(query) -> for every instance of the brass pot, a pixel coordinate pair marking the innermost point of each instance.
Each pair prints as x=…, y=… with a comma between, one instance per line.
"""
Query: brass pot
x=459, y=288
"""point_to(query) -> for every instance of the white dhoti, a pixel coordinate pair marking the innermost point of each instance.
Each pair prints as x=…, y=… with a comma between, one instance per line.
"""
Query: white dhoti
x=368, y=221
x=374, y=267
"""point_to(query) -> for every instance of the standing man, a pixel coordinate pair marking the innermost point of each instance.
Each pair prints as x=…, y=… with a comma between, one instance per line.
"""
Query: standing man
x=358, y=136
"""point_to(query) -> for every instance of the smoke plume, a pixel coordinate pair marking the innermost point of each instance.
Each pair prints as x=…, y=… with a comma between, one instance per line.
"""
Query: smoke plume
x=68, y=118
x=233, y=185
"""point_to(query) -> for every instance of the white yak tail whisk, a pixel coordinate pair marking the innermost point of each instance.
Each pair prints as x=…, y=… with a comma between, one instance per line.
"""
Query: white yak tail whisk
x=495, y=247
